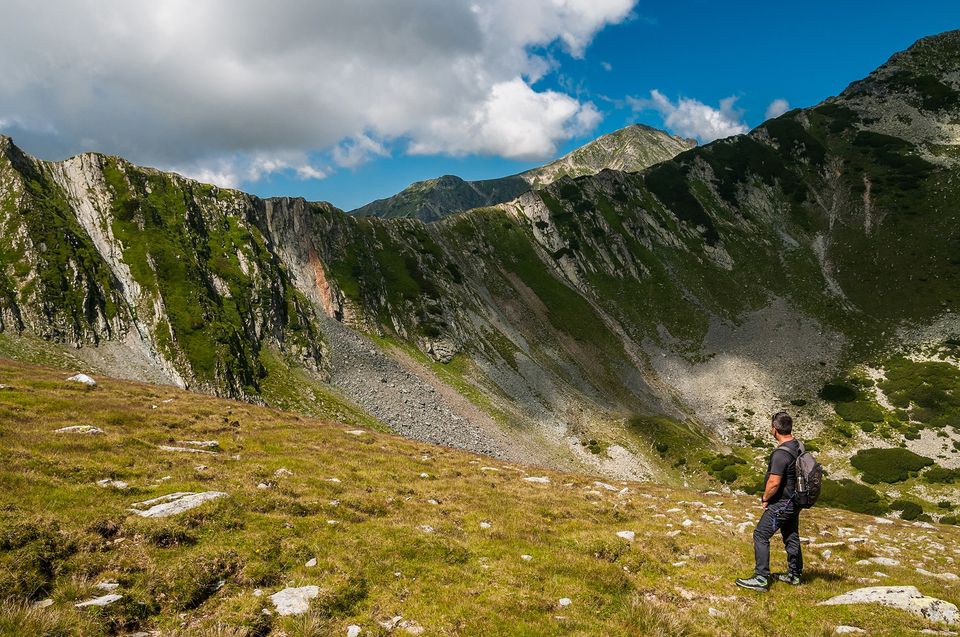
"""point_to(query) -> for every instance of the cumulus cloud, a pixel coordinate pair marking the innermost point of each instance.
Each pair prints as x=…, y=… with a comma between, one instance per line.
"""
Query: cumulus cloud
x=692, y=118
x=777, y=108
x=236, y=89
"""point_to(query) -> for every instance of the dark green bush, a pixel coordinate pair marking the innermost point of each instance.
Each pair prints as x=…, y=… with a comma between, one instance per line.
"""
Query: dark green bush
x=938, y=475
x=852, y=496
x=838, y=393
x=888, y=465
x=948, y=519
x=859, y=411
x=908, y=510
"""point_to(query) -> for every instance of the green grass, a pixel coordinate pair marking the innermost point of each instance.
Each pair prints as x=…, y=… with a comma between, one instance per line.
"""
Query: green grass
x=852, y=496
x=195, y=574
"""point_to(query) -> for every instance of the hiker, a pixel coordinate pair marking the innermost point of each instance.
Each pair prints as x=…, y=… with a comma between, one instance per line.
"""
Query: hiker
x=780, y=511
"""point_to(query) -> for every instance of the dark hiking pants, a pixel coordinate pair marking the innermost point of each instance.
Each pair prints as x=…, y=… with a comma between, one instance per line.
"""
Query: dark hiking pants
x=784, y=516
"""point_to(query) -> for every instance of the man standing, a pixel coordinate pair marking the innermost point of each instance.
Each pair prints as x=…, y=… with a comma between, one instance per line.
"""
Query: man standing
x=779, y=509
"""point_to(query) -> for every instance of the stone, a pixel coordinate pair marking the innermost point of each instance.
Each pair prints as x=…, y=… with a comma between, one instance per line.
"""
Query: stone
x=538, y=479
x=174, y=503
x=107, y=586
x=604, y=485
x=80, y=429
x=186, y=450
x=485, y=525
x=311, y=562
x=102, y=601
x=424, y=475
x=282, y=472
x=626, y=535
x=411, y=627
x=43, y=603
x=258, y=592
x=353, y=630
x=390, y=624
x=906, y=598
x=116, y=484
x=294, y=601
x=687, y=522
x=827, y=554
x=848, y=630
x=713, y=612
x=8, y=388
x=426, y=528
x=206, y=444
x=526, y=558
x=356, y=432
x=83, y=379
x=565, y=601
x=949, y=577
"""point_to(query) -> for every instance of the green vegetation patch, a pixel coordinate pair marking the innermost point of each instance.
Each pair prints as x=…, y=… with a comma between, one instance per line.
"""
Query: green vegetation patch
x=671, y=438
x=908, y=509
x=929, y=391
x=939, y=475
x=852, y=496
x=888, y=465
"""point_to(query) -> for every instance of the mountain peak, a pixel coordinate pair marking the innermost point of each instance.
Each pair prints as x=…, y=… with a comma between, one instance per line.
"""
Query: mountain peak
x=629, y=149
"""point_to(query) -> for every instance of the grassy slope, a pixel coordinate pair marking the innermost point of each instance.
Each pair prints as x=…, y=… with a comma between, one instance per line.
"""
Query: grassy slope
x=60, y=533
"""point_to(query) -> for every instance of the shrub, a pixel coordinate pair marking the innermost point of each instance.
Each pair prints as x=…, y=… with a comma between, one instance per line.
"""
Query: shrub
x=859, y=411
x=948, y=519
x=888, y=465
x=938, y=475
x=908, y=510
x=838, y=393
x=852, y=496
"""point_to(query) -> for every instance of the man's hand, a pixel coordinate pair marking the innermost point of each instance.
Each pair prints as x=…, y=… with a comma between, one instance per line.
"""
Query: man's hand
x=764, y=504
x=773, y=484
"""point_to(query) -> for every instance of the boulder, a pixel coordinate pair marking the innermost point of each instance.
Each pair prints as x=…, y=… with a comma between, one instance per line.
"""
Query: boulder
x=104, y=600
x=294, y=601
x=173, y=503
x=906, y=598
x=80, y=429
x=538, y=479
x=626, y=535
x=83, y=379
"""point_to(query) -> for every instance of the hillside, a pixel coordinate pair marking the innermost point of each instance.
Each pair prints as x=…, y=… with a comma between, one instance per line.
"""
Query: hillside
x=398, y=537
x=629, y=149
x=608, y=323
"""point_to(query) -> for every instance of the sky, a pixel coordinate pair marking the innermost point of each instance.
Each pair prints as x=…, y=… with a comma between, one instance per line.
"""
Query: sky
x=351, y=101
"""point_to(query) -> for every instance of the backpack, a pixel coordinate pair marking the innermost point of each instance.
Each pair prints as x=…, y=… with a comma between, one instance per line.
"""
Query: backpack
x=809, y=478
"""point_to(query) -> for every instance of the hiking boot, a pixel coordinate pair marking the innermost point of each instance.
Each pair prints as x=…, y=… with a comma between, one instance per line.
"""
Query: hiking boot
x=788, y=578
x=755, y=583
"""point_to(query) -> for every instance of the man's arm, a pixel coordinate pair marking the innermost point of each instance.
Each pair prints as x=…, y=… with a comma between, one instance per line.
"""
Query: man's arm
x=773, y=483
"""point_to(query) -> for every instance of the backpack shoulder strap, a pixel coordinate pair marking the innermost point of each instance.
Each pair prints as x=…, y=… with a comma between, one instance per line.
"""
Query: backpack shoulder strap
x=795, y=456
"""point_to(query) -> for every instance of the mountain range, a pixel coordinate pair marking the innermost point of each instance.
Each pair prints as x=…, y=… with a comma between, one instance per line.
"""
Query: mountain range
x=603, y=320
x=629, y=149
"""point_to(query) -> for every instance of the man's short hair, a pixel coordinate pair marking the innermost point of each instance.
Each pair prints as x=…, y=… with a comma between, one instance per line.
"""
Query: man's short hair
x=782, y=422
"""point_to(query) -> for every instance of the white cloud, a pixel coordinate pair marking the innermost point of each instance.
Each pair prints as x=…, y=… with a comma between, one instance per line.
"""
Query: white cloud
x=515, y=122
x=235, y=89
x=692, y=118
x=358, y=150
x=777, y=108
x=606, y=66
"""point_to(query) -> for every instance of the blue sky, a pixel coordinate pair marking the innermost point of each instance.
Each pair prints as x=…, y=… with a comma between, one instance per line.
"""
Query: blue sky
x=349, y=102
x=699, y=49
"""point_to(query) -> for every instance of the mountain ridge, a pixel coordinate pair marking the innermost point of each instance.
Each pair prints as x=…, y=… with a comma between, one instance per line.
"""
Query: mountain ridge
x=631, y=148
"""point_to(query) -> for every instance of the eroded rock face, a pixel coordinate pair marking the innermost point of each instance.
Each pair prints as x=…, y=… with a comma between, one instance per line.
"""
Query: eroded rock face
x=174, y=503
x=906, y=598
x=294, y=601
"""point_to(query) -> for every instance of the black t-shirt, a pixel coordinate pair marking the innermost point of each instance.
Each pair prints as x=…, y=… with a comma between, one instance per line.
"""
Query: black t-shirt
x=784, y=464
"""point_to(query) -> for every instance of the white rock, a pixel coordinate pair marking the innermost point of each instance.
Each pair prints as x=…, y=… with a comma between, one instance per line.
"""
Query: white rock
x=949, y=577
x=526, y=558
x=334, y=480
x=107, y=586
x=411, y=627
x=848, y=630
x=353, y=630
x=424, y=475
x=174, y=503
x=538, y=479
x=263, y=485
x=906, y=598
x=82, y=379
x=713, y=612
x=489, y=469
x=884, y=561
x=674, y=510
x=827, y=554
x=43, y=603
x=883, y=521
x=627, y=535
x=687, y=522
x=311, y=562
x=282, y=472
x=673, y=533
x=258, y=592
x=294, y=601
x=186, y=450
x=356, y=432
x=485, y=525
x=605, y=486
x=426, y=528
x=80, y=429
x=206, y=444
x=116, y=484
x=104, y=600
x=565, y=601
x=390, y=624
